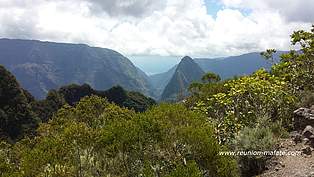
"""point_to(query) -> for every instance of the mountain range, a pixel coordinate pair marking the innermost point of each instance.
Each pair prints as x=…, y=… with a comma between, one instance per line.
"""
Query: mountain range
x=229, y=67
x=226, y=68
x=41, y=66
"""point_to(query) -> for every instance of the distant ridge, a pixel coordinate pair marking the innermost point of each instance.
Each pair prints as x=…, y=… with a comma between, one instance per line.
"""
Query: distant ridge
x=227, y=67
x=236, y=65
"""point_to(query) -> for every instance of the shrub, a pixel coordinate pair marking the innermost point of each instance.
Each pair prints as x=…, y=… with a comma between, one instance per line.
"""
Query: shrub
x=278, y=129
x=96, y=138
x=306, y=99
x=245, y=100
x=6, y=166
x=191, y=136
x=297, y=67
x=259, y=138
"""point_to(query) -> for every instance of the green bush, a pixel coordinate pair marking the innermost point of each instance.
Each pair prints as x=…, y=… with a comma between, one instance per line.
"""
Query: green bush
x=96, y=138
x=260, y=139
x=246, y=99
x=306, y=99
x=278, y=129
x=189, y=170
x=190, y=135
x=297, y=67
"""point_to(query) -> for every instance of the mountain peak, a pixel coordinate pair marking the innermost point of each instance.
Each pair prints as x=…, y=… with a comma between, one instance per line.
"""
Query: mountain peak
x=186, y=72
x=186, y=63
x=187, y=59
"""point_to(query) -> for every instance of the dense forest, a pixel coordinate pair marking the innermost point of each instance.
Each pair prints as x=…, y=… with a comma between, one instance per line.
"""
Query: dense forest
x=21, y=112
x=79, y=131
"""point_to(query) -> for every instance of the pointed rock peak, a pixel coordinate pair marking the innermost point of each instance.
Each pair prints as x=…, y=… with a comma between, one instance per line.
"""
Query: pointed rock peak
x=186, y=62
x=187, y=58
x=186, y=72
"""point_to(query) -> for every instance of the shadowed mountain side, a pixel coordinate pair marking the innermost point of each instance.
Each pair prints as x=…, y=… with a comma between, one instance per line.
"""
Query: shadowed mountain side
x=160, y=81
x=41, y=66
x=186, y=72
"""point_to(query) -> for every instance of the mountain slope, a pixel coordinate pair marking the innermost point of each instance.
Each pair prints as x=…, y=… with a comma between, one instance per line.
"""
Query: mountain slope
x=186, y=72
x=160, y=81
x=41, y=66
x=235, y=65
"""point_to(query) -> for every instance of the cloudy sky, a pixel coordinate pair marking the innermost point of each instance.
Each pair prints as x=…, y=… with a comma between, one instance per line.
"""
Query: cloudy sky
x=160, y=27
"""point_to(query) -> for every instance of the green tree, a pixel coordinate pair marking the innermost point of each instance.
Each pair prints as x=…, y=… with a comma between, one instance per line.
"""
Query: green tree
x=211, y=78
x=45, y=109
x=297, y=67
x=246, y=99
x=195, y=88
x=269, y=55
x=16, y=116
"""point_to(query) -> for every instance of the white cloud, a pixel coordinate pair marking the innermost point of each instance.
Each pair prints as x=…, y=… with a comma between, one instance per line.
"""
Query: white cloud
x=291, y=10
x=149, y=27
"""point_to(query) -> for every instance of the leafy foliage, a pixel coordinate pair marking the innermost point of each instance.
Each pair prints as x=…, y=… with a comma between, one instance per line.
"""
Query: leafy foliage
x=73, y=93
x=258, y=139
x=6, y=163
x=306, y=99
x=16, y=116
x=211, y=77
x=132, y=100
x=269, y=55
x=243, y=100
x=297, y=67
x=96, y=138
x=236, y=106
x=46, y=108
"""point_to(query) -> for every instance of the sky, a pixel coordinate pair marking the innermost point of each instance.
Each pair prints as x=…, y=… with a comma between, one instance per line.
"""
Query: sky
x=199, y=28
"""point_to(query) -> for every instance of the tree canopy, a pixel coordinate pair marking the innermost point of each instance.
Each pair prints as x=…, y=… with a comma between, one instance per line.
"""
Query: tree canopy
x=16, y=116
